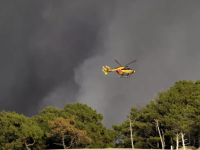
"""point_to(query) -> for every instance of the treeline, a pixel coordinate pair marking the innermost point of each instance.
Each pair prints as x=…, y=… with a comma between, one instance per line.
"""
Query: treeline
x=75, y=126
x=172, y=119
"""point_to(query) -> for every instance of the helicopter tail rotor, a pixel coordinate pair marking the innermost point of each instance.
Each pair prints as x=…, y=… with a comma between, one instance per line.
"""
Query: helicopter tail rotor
x=105, y=69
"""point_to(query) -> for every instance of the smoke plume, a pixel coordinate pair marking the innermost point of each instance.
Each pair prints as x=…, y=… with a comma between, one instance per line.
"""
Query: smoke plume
x=52, y=52
x=41, y=43
x=162, y=35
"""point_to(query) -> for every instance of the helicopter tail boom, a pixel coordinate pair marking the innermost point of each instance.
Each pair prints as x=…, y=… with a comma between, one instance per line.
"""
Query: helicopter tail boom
x=107, y=69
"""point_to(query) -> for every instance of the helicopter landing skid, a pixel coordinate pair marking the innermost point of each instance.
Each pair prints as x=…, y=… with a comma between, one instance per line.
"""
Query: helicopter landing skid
x=123, y=76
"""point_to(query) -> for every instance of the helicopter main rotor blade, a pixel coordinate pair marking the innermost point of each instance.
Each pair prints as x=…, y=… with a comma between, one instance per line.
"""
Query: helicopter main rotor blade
x=130, y=62
x=118, y=62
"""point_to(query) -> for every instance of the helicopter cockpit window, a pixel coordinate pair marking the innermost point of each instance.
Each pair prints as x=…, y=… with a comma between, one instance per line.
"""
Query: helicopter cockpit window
x=126, y=69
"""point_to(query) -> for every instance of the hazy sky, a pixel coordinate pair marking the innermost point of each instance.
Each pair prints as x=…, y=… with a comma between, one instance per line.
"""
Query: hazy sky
x=52, y=52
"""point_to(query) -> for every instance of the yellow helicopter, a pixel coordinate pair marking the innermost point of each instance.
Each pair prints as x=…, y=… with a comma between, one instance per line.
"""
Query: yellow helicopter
x=123, y=71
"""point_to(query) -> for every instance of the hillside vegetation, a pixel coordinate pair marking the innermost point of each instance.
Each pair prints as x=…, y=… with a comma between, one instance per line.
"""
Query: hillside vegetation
x=172, y=119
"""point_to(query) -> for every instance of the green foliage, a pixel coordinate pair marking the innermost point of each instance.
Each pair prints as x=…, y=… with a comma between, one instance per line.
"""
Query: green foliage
x=89, y=120
x=17, y=129
x=177, y=110
x=141, y=145
x=85, y=119
x=47, y=114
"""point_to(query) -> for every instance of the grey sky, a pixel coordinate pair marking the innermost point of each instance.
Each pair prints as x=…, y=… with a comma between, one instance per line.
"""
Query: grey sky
x=51, y=53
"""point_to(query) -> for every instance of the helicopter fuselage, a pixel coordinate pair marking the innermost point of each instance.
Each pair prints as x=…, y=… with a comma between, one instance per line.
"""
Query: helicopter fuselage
x=124, y=71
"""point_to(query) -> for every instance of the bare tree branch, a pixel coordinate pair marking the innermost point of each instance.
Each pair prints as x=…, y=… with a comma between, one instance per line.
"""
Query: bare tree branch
x=71, y=143
x=161, y=135
x=151, y=145
x=27, y=145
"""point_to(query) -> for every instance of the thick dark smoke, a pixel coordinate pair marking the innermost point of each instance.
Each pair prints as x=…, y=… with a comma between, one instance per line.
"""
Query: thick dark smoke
x=40, y=44
x=162, y=35
x=51, y=52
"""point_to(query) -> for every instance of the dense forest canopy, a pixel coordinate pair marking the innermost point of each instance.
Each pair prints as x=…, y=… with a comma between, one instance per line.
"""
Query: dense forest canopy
x=172, y=119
